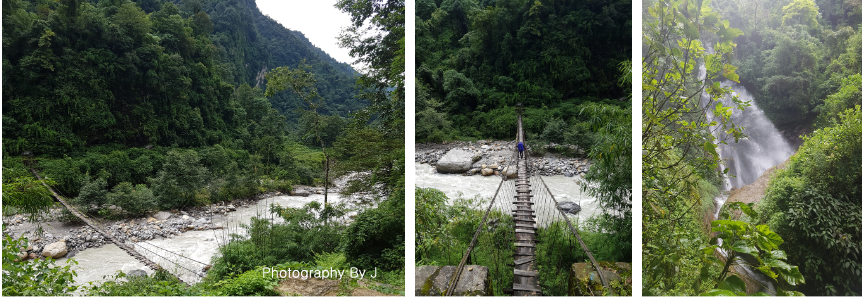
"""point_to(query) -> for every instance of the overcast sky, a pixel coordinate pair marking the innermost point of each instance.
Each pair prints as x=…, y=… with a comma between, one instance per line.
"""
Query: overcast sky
x=319, y=20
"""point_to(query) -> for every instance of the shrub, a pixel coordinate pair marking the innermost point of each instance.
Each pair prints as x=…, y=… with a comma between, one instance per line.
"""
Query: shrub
x=376, y=237
x=133, y=200
x=159, y=283
x=554, y=131
x=181, y=178
x=814, y=204
x=250, y=283
x=92, y=193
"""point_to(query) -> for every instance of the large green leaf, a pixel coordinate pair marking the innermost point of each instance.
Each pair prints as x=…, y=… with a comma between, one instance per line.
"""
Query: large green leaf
x=744, y=246
x=771, y=239
x=719, y=292
x=781, y=265
x=730, y=224
x=792, y=275
x=779, y=254
x=734, y=284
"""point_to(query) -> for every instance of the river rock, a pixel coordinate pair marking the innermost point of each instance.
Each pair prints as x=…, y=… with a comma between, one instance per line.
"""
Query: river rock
x=55, y=250
x=510, y=172
x=32, y=256
x=487, y=172
x=455, y=161
x=570, y=207
x=433, y=280
x=136, y=273
x=151, y=220
x=230, y=207
x=186, y=217
x=201, y=221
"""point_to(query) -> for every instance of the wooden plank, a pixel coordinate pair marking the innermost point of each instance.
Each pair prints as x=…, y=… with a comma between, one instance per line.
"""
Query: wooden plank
x=525, y=226
x=518, y=244
x=525, y=260
x=522, y=287
x=525, y=231
x=520, y=272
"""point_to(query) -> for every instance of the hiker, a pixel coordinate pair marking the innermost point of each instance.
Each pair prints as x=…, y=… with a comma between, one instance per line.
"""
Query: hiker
x=520, y=149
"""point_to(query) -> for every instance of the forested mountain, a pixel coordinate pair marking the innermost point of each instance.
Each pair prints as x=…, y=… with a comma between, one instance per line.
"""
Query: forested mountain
x=82, y=73
x=794, y=54
x=477, y=59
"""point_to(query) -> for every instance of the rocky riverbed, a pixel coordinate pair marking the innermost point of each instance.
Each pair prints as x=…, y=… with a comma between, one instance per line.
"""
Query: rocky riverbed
x=163, y=224
x=488, y=157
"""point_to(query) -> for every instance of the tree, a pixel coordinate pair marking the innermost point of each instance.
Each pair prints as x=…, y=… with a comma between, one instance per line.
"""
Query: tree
x=301, y=83
x=679, y=142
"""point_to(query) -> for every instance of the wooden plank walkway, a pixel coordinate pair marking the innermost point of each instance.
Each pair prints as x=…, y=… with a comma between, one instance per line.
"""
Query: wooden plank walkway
x=526, y=274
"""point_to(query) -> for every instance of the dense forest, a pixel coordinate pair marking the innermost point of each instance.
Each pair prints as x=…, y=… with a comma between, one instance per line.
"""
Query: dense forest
x=477, y=59
x=128, y=107
x=799, y=59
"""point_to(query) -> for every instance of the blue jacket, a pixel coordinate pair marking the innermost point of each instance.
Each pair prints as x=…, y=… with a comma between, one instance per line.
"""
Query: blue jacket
x=520, y=146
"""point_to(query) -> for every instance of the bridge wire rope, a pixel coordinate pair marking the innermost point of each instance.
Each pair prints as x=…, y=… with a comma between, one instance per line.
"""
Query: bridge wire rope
x=457, y=275
x=578, y=236
x=103, y=230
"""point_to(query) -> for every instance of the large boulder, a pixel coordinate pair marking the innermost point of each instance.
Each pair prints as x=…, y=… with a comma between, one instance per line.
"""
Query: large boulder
x=55, y=250
x=487, y=172
x=433, y=280
x=570, y=207
x=162, y=215
x=136, y=273
x=455, y=161
x=510, y=172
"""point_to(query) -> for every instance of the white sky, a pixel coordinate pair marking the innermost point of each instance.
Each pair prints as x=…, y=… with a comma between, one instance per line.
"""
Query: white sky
x=318, y=20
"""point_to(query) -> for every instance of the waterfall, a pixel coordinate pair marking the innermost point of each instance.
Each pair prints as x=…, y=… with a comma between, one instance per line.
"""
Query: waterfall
x=761, y=149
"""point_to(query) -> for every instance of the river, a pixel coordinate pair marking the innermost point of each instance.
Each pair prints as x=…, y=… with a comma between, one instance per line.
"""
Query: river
x=95, y=263
x=468, y=187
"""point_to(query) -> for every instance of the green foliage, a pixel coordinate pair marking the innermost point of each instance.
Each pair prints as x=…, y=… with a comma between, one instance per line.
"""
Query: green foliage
x=251, y=283
x=739, y=239
x=306, y=232
x=477, y=59
x=133, y=200
x=35, y=277
x=444, y=231
x=181, y=180
x=813, y=203
x=22, y=191
x=800, y=12
x=159, y=283
x=376, y=237
x=848, y=96
x=679, y=143
x=611, y=173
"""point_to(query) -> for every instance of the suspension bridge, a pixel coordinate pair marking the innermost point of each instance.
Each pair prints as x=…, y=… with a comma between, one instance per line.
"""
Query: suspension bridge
x=134, y=249
x=543, y=233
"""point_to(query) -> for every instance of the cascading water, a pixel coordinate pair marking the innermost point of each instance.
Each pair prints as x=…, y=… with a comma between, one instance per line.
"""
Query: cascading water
x=762, y=148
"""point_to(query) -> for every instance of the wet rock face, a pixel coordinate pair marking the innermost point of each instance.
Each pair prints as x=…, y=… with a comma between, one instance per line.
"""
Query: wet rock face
x=432, y=280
